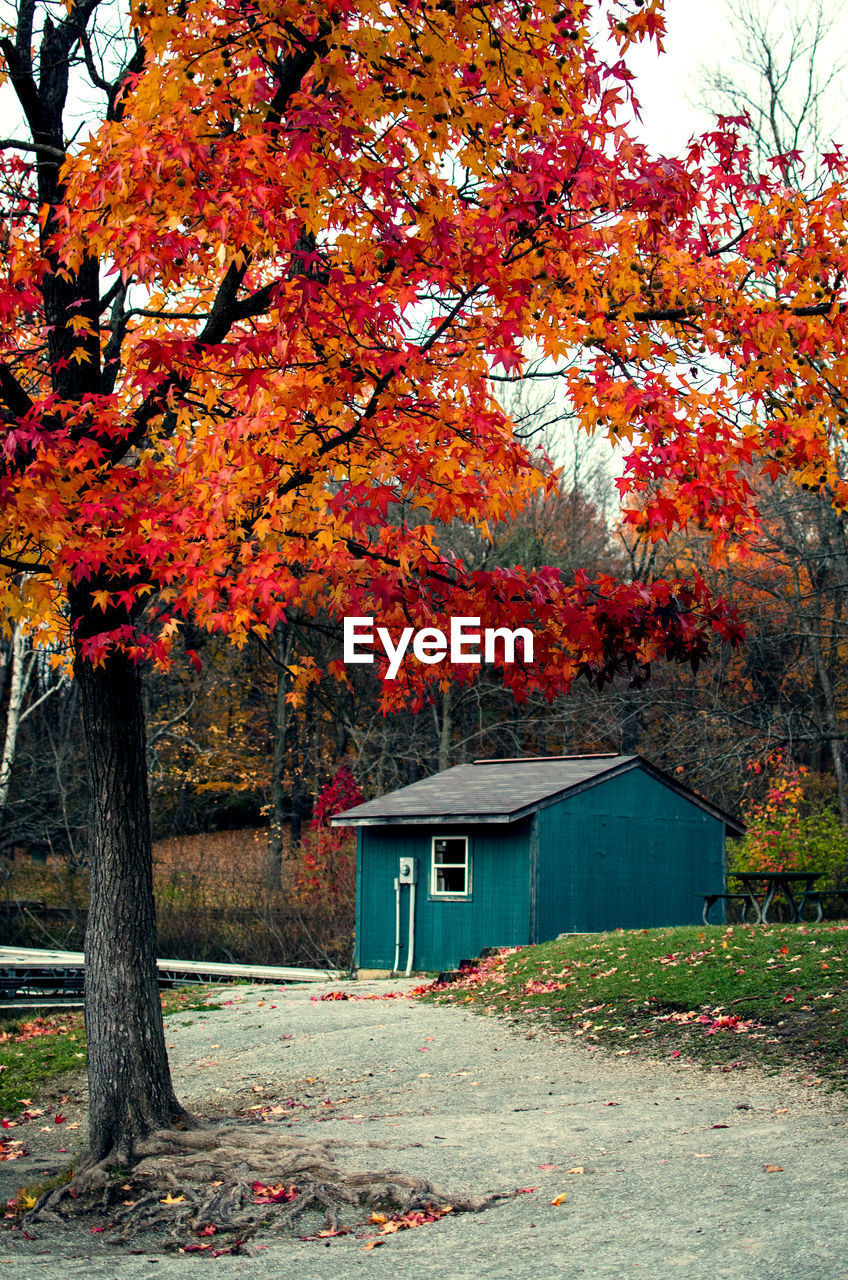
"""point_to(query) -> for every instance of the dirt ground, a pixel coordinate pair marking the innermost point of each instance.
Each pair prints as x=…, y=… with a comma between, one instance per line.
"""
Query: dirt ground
x=668, y=1170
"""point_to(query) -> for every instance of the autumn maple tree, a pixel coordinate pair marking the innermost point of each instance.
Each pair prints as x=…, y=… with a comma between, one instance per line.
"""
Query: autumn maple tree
x=256, y=309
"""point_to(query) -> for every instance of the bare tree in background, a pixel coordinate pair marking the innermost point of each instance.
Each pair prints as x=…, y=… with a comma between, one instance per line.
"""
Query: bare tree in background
x=784, y=71
x=28, y=681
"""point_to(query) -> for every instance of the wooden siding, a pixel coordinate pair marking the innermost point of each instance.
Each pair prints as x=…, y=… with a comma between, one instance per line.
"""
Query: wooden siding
x=629, y=853
x=446, y=931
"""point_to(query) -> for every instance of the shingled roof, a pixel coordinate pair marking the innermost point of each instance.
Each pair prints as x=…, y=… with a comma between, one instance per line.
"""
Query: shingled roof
x=506, y=790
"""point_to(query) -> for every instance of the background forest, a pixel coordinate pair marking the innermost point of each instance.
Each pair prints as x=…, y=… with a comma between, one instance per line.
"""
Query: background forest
x=242, y=778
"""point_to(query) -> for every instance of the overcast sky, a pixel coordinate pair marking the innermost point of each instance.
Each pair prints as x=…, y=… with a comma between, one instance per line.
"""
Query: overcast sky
x=699, y=36
x=666, y=83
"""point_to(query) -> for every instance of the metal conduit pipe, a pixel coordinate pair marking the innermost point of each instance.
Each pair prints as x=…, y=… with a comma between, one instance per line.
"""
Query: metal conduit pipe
x=396, y=966
x=411, y=948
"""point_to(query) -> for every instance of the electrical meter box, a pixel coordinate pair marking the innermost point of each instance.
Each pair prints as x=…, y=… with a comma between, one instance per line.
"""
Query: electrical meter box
x=408, y=873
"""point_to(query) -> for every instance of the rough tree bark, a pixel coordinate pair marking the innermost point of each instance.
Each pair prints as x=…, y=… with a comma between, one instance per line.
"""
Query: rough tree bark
x=130, y=1090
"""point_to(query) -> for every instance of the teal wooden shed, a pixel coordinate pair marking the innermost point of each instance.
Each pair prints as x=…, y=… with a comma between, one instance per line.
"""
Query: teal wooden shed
x=509, y=852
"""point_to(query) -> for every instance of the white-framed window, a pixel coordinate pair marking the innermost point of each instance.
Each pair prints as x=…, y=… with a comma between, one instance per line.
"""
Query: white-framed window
x=450, y=872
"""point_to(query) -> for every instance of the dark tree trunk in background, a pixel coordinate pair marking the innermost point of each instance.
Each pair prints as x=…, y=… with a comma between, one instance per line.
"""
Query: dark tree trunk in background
x=301, y=771
x=130, y=1091
x=279, y=807
x=444, y=724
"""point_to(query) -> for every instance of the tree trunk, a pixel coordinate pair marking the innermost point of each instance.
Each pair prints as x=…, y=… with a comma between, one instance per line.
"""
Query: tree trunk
x=18, y=680
x=445, y=724
x=303, y=783
x=274, y=860
x=5, y=660
x=130, y=1091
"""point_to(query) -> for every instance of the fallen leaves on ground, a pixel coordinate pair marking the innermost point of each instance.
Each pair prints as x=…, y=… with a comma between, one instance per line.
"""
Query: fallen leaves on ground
x=55, y=1025
x=328, y=1233
x=280, y=1193
x=679, y=992
x=388, y=1224
x=380, y=995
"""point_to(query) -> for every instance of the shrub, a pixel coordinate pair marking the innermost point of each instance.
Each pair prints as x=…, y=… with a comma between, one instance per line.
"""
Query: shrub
x=325, y=874
x=784, y=833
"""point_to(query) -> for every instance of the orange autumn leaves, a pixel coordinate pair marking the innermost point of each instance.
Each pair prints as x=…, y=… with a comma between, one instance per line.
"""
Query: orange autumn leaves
x=387, y=1224
x=321, y=229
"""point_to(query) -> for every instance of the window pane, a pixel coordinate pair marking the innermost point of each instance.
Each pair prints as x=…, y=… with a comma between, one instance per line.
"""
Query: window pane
x=449, y=851
x=450, y=880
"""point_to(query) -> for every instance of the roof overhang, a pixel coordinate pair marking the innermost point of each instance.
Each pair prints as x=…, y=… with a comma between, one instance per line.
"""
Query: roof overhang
x=436, y=819
x=432, y=818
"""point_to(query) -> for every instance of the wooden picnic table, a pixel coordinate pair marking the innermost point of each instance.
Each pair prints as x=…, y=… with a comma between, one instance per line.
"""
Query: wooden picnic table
x=760, y=888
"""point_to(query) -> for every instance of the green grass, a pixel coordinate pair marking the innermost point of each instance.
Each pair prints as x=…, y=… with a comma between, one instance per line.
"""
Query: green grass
x=185, y=999
x=732, y=996
x=34, y=1051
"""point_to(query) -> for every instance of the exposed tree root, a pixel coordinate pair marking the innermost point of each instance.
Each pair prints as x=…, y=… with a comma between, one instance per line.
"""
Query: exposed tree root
x=203, y=1184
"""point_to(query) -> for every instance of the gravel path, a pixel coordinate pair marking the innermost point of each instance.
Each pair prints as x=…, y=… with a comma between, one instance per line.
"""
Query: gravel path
x=673, y=1157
